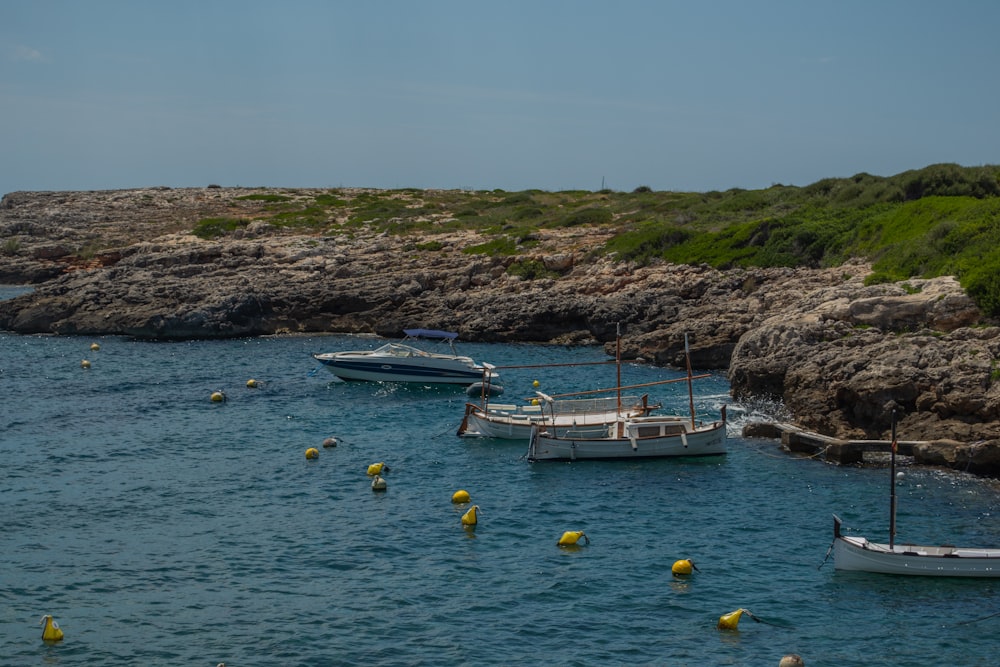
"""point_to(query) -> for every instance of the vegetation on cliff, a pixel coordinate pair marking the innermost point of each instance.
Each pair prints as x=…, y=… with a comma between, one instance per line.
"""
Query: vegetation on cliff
x=940, y=220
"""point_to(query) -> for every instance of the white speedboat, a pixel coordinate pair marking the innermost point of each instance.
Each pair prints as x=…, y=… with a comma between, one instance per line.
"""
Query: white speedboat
x=404, y=362
x=852, y=552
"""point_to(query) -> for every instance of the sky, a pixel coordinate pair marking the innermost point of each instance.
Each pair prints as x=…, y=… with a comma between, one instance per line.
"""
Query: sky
x=698, y=95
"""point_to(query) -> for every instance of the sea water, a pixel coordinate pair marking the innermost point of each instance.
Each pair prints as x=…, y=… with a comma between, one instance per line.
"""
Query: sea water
x=160, y=527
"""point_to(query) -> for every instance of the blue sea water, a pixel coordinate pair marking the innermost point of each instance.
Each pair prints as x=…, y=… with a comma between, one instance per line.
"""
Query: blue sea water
x=161, y=528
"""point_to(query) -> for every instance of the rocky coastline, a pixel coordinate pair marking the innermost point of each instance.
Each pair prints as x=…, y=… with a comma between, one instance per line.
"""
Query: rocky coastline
x=839, y=355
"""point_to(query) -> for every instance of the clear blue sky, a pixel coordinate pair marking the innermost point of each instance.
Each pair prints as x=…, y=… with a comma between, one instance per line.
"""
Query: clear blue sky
x=548, y=94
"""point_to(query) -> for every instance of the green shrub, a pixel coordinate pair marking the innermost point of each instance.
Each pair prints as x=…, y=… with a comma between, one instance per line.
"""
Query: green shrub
x=527, y=213
x=210, y=228
x=331, y=201
x=530, y=269
x=586, y=216
x=11, y=246
x=503, y=245
x=272, y=198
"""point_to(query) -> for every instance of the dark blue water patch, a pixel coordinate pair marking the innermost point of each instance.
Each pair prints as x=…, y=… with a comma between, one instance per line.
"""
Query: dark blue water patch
x=161, y=527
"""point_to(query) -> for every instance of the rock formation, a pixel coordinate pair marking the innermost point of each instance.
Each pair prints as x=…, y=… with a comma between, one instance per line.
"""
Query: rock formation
x=838, y=354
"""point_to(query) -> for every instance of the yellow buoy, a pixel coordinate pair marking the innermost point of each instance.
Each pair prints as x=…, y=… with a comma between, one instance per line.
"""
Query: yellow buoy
x=95, y=347
x=471, y=518
x=377, y=468
x=571, y=537
x=312, y=453
x=330, y=442
x=252, y=384
x=378, y=484
x=51, y=631
x=460, y=496
x=84, y=364
x=536, y=383
x=683, y=567
x=731, y=620
x=534, y=401
x=218, y=397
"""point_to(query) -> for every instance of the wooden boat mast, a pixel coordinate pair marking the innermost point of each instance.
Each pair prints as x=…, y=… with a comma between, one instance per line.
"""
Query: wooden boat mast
x=687, y=357
x=618, y=364
x=892, y=488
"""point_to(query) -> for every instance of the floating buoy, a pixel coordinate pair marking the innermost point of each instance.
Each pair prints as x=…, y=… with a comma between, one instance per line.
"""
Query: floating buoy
x=378, y=484
x=731, y=620
x=792, y=660
x=252, y=384
x=50, y=631
x=471, y=518
x=377, y=468
x=683, y=567
x=312, y=453
x=460, y=496
x=84, y=364
x=534, y=401
x=218, y=397
x=95, y=347
x=571, y=537
x=536, y=384
x=330, y=442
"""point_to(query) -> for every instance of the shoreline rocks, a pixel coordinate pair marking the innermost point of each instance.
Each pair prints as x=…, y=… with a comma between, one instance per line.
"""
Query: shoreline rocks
x=838, y=354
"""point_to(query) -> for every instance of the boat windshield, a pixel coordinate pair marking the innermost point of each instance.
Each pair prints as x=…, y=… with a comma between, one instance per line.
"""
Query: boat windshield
x=398, y=350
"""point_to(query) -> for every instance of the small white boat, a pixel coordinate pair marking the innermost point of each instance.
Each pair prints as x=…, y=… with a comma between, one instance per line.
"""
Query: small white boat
x=631, y=438
x=857, y=553
x=590, y=416
x=404, y=362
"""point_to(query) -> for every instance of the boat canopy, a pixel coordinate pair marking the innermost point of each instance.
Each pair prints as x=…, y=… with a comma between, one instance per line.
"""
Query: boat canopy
x=430, y=333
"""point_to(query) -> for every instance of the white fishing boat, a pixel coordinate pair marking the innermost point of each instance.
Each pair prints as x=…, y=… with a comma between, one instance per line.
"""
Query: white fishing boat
x=404, y=362
x=589, y=416
x=631, y=438
x=859, y=554
x=636, y=437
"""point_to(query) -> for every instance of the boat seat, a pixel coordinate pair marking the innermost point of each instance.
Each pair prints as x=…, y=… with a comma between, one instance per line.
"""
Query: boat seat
x=531, y=408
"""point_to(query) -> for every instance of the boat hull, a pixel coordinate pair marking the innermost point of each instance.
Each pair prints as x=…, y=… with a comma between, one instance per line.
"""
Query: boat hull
x=587, y=418
x=518, y=426
x=431, y=370
x=674, y=440
x=857, y=554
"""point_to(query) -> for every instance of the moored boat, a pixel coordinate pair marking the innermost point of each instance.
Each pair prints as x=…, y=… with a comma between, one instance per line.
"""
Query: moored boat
x=404, y=362
x=631, y=438
x=638, y=437
x=857, y=553
x=589, y=416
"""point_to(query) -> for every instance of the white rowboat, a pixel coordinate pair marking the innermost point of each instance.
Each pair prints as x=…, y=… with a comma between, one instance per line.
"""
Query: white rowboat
x=859, y=554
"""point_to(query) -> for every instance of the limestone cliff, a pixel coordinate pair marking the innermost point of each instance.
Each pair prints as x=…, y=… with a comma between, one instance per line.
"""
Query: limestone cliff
x=839, y=355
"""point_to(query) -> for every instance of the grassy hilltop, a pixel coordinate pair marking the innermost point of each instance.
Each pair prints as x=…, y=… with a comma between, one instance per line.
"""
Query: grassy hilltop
x=943, y=219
